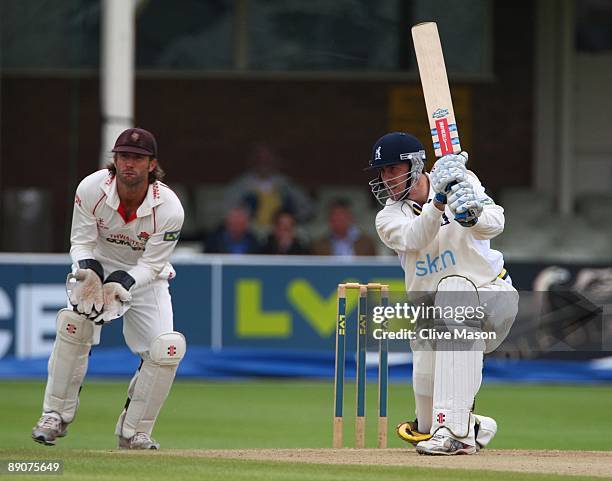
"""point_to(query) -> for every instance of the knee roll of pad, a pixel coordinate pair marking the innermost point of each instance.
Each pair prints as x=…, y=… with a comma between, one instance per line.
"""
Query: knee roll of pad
x=168, y=348
x=457, y=297
x=457, y=291
x=74, y=328
x=456, y=284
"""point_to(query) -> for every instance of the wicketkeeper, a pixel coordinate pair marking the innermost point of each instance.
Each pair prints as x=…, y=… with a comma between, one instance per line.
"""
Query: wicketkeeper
x=440, y=225
x=125, y=225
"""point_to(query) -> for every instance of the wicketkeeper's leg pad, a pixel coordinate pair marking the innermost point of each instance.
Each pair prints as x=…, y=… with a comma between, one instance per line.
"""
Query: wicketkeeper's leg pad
x=150, y=386
x=68, y=363
x=458, y=364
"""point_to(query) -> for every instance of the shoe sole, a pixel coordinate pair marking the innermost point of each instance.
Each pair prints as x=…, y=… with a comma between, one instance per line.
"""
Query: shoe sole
x=42, y=440
x=152, y=448
x=127, y=447
x=426, y=452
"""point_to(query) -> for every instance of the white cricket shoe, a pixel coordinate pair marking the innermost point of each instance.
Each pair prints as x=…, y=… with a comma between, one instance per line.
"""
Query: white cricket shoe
x=138, y=441
x=48, y=428
x=442, y=443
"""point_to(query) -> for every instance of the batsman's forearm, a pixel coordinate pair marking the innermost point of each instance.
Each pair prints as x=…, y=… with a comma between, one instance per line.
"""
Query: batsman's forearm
x=490, y=223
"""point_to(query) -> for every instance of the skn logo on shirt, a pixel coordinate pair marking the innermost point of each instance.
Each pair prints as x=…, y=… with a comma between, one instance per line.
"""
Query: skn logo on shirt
x=435, y=264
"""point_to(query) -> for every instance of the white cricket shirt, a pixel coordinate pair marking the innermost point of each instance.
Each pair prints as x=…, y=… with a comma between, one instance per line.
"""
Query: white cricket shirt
x=141, y=246
x=431, y=245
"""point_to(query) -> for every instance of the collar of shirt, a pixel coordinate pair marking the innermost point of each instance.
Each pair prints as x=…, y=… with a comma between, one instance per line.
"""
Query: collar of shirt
x=152, y=199
x=417, y=208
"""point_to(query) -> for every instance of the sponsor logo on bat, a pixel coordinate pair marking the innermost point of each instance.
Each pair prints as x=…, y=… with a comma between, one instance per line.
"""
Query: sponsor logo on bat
x=436, y=145
x=451, y=128
x=440, y=113
x=444, y=137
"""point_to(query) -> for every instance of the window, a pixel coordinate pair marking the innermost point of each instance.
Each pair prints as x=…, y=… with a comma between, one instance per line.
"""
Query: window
x=49, y=34
x=371, y=36
x=594, y=26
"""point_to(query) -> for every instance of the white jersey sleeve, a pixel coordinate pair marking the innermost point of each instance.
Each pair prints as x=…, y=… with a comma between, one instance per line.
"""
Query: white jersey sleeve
x=402, y=232
x=491, y=222
x=84, y=232
x=160, y=245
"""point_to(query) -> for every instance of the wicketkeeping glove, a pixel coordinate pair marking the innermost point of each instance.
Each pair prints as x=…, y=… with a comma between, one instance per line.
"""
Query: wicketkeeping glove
x=86, y=296
x=116, y=296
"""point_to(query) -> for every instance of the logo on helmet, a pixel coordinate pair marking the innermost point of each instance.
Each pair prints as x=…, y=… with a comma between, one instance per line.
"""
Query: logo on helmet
x=135, y=136
x=377, y=154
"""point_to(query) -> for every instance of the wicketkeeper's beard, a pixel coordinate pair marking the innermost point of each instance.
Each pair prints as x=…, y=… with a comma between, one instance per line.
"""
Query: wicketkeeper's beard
x=131, y=180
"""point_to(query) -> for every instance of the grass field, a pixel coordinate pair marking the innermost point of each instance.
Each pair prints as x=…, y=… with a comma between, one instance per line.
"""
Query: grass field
x=285, y=414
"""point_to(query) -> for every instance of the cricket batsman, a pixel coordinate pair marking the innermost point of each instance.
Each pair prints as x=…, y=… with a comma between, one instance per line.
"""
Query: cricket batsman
x=125, y=225
x=440, y=225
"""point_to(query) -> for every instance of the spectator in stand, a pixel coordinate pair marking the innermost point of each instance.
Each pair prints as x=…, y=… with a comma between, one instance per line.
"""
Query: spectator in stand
x=265, y=191
x=283, y=239
x=344, y=237
x=234, y=236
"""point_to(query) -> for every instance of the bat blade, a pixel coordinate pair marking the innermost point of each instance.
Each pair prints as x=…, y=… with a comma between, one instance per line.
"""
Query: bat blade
x=438, y=101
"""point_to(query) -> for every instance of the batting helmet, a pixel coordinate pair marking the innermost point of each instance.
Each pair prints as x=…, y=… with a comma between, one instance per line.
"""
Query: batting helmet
x=394, y=148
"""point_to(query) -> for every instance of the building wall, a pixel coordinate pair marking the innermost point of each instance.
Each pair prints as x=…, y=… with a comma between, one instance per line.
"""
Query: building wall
x=322, y=128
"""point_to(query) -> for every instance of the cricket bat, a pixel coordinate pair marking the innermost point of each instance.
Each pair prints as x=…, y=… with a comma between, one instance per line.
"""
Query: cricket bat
x=438, y=101
x=440, y=112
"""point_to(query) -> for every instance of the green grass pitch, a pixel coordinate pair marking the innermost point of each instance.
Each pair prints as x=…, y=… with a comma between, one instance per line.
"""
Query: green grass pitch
x=285, y=414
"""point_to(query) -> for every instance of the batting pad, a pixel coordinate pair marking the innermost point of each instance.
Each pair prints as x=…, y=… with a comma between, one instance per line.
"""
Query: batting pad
x=487, y=428
x=423, y=386
x=150, y=386
x=68, y=364
x=458, y=362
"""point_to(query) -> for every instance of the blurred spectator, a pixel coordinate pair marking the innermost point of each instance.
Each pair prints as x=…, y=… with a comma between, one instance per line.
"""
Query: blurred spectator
x=234, y=236
x=344, y=238
x=265, y=191
x=283, y=239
